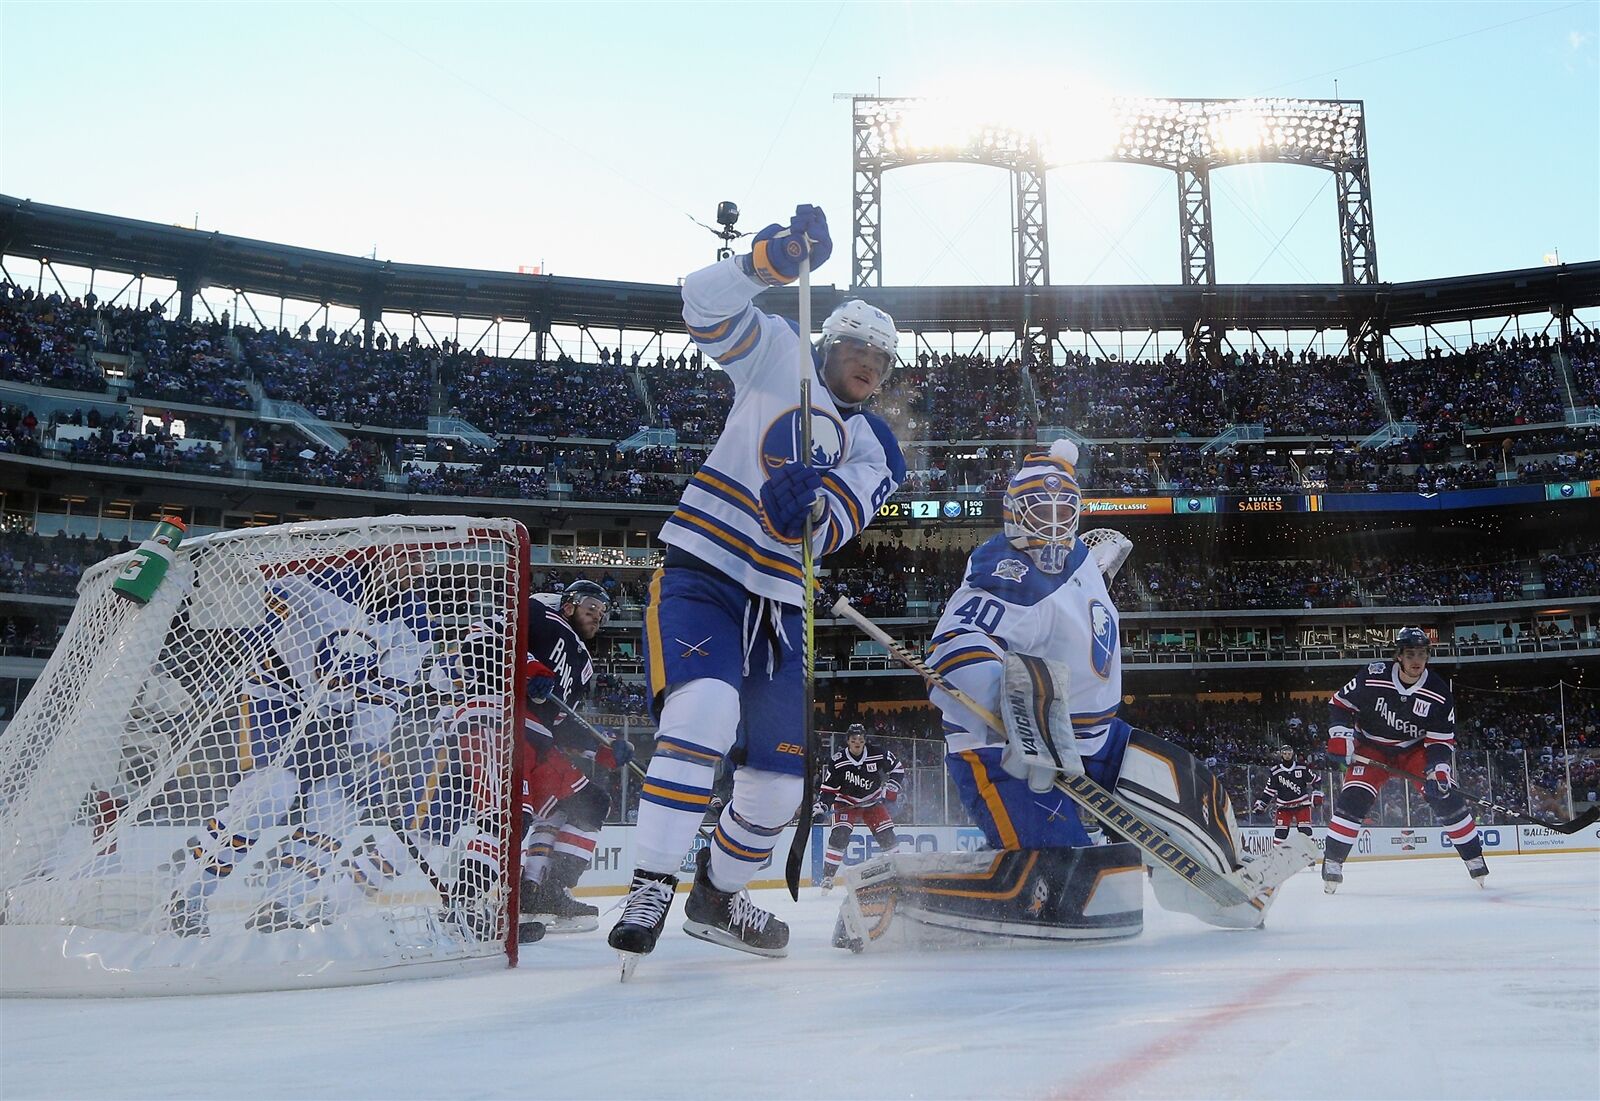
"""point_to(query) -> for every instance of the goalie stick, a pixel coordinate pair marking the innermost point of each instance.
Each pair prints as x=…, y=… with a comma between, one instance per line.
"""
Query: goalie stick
x=590, y=729
x=1231, y=889
x=1584, y=820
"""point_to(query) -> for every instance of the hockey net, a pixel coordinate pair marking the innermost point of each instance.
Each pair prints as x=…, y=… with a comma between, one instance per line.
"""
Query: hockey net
x=292, y=767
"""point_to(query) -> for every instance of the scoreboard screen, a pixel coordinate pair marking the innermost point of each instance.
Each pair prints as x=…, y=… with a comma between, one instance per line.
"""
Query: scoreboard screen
x=933, y=510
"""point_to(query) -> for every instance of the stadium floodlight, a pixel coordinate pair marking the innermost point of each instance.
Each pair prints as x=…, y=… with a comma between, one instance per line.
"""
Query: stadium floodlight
x=1030, y=131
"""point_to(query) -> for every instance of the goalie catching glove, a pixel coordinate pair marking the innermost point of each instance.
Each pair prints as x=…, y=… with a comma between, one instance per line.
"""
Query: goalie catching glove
x=1110, y=550
x=1040, y=742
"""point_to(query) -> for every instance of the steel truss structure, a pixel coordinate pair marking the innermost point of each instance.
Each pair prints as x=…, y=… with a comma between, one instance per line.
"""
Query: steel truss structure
x=1188, y=137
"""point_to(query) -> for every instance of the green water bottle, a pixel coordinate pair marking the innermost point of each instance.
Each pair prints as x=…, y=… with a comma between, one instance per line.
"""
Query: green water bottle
x=144, y=571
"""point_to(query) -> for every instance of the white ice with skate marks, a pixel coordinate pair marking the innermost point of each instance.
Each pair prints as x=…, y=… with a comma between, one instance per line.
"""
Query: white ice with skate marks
x=1410, y=982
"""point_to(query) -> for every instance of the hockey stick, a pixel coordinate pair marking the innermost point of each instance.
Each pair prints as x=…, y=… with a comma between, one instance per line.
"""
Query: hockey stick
x=590, y=729
x=808, y=602
x=1224, y=889
x=1584, y=820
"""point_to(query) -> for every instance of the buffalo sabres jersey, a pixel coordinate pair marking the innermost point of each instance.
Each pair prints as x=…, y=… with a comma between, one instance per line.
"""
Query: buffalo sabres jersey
x=1007, y=603
x=329, y=650
x=720, y=519
x=1383, y=710
x=860, y=781
x=1291, y=786
x=552, y=640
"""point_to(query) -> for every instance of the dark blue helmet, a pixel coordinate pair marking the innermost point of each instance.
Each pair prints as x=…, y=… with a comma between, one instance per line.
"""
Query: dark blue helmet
x=581, y=588
x=1411, y=637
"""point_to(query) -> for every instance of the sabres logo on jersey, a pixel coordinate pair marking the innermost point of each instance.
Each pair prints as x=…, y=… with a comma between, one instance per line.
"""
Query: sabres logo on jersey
x=781, y=442
x=1011, y=569
x=1102, y=639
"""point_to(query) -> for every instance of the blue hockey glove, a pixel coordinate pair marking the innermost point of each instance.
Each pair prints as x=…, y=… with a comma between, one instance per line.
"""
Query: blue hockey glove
x=617, y=754
x=541, y=680
x=786, y=497
x=777, y=250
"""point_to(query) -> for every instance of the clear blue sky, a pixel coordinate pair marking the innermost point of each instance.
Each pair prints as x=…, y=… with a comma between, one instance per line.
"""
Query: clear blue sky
x=582, y=135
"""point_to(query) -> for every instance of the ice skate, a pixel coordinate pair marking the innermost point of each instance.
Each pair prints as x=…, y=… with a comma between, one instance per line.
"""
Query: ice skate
x=1332, y=875
x=827, y=884
x=644, y=915
x=1478, y=869
x=730, y=918
x=561, y=913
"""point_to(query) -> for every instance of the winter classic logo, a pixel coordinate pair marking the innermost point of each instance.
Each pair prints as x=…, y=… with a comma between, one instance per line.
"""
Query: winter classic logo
x=781, y=443
x=1408, y=840
x=1103, y=643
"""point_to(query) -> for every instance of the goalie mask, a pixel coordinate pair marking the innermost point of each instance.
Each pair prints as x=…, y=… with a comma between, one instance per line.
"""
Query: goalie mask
x=1042, y=504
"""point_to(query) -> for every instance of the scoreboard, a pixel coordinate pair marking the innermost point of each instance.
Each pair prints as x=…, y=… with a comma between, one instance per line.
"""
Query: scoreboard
x=985, y=509
x=952, y=509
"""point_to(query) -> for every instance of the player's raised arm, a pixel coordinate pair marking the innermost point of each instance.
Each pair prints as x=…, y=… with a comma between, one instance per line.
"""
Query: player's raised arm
x=717, y=299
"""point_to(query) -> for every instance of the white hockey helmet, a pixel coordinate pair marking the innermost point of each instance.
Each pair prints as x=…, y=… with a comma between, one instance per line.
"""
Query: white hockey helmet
x=854, y=319
x=1042, y=504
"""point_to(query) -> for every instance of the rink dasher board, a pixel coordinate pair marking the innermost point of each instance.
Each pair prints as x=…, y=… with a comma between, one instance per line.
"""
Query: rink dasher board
x=143, y=848
x=612, y=866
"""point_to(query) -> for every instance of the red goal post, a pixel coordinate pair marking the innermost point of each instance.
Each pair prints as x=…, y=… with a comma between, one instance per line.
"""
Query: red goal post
x=293, y=767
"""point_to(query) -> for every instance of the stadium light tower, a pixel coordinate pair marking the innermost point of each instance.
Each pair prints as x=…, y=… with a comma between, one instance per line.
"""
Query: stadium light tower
x=1189, y=137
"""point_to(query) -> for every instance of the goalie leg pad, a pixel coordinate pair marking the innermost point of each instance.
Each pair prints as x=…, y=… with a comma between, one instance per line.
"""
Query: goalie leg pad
x=1172, y=789
x=992, y=899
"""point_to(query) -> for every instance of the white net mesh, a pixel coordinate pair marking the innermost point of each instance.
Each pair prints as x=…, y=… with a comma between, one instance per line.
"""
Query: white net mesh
x=291, y=767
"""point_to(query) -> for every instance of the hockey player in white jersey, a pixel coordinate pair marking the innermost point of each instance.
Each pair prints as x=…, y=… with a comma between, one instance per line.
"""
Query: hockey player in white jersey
x=723, y=632
x=315, y=716
x=1032, y=635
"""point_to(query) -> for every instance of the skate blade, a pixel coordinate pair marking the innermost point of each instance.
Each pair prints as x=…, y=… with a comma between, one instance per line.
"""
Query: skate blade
x=556, y=926
x=630, y=960
x=1329, y=888
x=711, y=933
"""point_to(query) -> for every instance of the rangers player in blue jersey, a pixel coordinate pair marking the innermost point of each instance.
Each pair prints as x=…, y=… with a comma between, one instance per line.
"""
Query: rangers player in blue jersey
x=723, y=633
x=1398, y=713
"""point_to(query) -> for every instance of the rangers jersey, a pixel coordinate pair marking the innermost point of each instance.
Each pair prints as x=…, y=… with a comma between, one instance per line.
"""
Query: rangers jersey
x=552, y=640
x=1007, y=603
x=720, y=520
x=1379, y=708
x=860, y=781
x=1292, y=786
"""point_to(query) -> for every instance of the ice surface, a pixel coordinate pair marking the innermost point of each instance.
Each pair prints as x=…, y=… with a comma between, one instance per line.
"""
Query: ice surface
x=1409, y=983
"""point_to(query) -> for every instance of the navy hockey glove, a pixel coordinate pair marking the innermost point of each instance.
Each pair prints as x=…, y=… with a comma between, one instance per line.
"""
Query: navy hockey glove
x=617, y=754
x=1438, y=782
x=786, y=497
x=541, y=680
x=777, y=250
